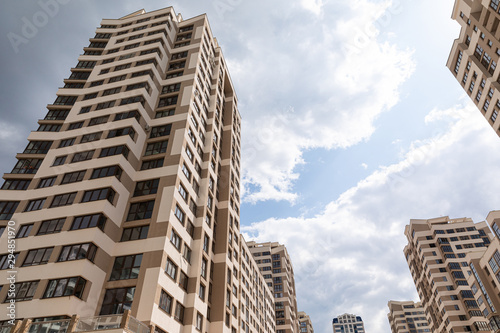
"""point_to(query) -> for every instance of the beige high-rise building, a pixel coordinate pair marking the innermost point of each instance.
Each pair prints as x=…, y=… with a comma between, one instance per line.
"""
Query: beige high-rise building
x=475, y=55
x=126, y=198
x=407, y=317
x=348, y=323
x=305, y=322
x=441, y=254
x=276, y=267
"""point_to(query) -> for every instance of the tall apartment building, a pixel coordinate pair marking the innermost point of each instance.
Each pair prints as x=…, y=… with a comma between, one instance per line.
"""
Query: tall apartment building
x=348, y=323
x=407, y=317
x=276, y=267
x=441, y=254
x=305, y=322
x=475, y=54
x=126, y=198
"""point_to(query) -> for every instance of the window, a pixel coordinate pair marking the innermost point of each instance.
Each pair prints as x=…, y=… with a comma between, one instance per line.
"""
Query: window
x=16, y=184
x=51, y=226
x=77, y=252
x=66, y=143
x=59, y=160
x=98, y=120
x=130, y=100
x=156, y=148
x=167, y=101
x=175, y=239
x=37, y=147
x=138, y=86
x=165, y=113
x=179, y=312
x=49, y=128
x=65, y=100
x=201, y=292
x=166, y=302
x=115, y=150
x=104, y=105
x=130, y=234
x=38, y=257
x=204, y=264
x=99, y=194
x=83, y=156
x=89, y=96
x=126, y=267
x=27, y=166
x=24, y=291
x=91, y=137
x=75, y=125
x=206, y=243
x=46, y=182
x=36, y=204
x=152, y=164
x=127, y=115
x=56, y=115
x=159, y=131
x=89, y=221
x=73, y=177
x=117, y=300
x=63, y=200
x=171, y=88
x=8, y=260
x=171, y=269
x=146, y=187
x=121, y=131
x=182, y=192
x=109, y=171
x=140, y=210
x=186, y=253
x=179, y=214
x=111, y=91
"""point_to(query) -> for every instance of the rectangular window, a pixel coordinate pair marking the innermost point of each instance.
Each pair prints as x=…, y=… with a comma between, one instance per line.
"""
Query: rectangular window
x=105, y=105
x=89, y=221
x=156, y=148
x=171, y=88
x=175, y=239
x=98, y=120
x=171, y=269
x=146, y=187
x=165, y=113
x=179, y=214
x=24, y=230
x=73, y=177
x=38, y=257
x=159, y=131
x=83, y=156
x=115, y=150
x=152, y=164
x=24, y=291
x=16, y=184
x=49, y=128
x=121, y=132
x=166, y=302
x=8, y=260
x=72, y=286
x=36, y=204
x=91, y=137
x=63, y=199
x=109, y=171
x=37, y=147
x=179, y=312
x=126, y=115
x=77, y=252
x=135, y=233
x=135, y=99
x=99, y=194
x=111, y=91
x=66, y=143
x=126, y=267
x=183, y=280
x=59, y=160
x=140, y=210
x=27, y=166
x=76, y=125
x=167, y=101
x=51, y=226
x=56, y=115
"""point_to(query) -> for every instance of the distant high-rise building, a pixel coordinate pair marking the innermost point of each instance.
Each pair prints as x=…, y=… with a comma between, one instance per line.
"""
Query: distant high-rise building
x=305, y=322
x=276, y=267
x=407, y=317
x=348, y=323
x=475, y=55
x=441, y=254
x=126, y=198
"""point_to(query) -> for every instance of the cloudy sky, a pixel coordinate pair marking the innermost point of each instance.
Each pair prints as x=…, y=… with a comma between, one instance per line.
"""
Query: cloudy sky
x=352, y=126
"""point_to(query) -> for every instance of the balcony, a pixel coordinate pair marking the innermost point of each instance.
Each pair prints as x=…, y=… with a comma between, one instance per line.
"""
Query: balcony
x=118, y=323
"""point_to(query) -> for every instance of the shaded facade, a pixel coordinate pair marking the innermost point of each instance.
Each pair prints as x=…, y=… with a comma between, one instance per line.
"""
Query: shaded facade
x=126, y=198
x=276, y=267
x=475, y=55
x=442, y=254
x=407, y=317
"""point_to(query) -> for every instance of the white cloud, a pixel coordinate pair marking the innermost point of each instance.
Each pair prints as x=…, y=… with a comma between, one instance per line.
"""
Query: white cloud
x=312, y=85
x=348, y=258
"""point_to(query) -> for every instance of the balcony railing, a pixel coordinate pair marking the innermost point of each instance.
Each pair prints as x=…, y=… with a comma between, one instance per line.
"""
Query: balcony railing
x=76, y=324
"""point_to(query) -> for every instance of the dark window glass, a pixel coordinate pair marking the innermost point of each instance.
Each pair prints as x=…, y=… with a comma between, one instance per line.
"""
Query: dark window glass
x=126, y=267
x=152, y=164
x=24, y=230
x=135, y=233
x=146, y=187
x=140, y=210
x=16, y=184
x=51, y=226
x=38, y=257
x=89, y=221
x=117, y=300
x=99, y=194
x=72, y=286
x=63, y=200
x=77, y=252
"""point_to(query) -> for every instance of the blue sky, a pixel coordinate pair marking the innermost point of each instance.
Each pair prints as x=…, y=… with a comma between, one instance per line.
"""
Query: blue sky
x=352, y=126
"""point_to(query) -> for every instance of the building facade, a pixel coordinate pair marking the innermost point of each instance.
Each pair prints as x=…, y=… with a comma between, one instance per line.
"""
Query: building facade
x=407, y=317
x=126, y=198
x=475, y=54
x=440, y=254
x=276, y=267
x=305, y=322
x=348, y=323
